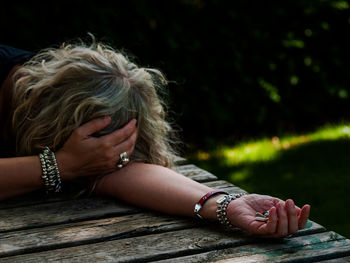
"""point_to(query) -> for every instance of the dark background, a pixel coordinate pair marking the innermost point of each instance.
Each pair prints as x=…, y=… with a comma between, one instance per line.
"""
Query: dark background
x=240, y=68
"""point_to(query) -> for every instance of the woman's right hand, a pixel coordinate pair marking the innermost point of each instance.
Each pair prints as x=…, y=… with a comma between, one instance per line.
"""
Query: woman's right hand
x=84, y=155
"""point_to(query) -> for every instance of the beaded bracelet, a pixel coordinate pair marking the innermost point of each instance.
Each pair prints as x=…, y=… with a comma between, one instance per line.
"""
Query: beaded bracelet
x=205, y=198
x=51, y=174
x=222, y=207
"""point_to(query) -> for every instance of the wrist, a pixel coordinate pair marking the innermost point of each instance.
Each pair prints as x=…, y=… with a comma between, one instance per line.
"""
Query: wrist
x=225, y=205
x=208, y=210
x=63, y=162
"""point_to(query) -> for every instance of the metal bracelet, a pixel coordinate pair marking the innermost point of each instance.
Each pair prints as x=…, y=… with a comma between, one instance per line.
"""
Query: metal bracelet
x=198, y=206
x=51, y=174
x=222, y=207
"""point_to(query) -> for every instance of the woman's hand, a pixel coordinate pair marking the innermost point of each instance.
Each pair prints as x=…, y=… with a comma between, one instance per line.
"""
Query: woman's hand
x=284, y=219
x=84, y=155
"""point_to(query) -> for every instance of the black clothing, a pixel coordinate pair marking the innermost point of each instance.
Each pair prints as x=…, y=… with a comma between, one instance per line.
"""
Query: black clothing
x=9, y=57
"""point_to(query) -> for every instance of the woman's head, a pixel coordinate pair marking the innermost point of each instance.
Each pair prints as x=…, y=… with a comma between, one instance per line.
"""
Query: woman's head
x=60, y=89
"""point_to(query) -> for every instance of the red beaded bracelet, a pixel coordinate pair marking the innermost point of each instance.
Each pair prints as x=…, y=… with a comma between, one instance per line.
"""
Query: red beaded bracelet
x=205, y=198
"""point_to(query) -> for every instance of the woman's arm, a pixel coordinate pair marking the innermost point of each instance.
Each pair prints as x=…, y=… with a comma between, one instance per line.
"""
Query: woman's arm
x=19, y=175
x=81, y=155
x=158, y=188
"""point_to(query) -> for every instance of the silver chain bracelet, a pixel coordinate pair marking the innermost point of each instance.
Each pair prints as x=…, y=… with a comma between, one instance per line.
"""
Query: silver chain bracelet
x=51, y=174
x=222, y=207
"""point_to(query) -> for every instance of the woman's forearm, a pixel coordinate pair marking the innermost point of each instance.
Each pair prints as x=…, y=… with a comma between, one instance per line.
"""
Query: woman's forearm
x=19, y=175
x=81, y=155
x=158, y=188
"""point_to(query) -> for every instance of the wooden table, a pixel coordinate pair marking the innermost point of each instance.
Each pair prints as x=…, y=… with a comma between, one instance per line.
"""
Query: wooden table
x=62, y=229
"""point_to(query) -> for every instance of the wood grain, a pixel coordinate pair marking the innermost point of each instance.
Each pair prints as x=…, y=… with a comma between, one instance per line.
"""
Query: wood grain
x=337, y=260
x=61, y=212
x=92, y=231
x=143, y=248
x=308, y=248
x=146, y=247
x=60, y=228
x=195, y=173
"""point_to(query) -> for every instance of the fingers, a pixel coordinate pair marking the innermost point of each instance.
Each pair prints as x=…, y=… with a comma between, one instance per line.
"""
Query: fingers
x=117, y=142
x=292, y=217
x=304, y=215
x=128, y=145
x=95, y=156
x=278, y=224
x=271, y=225
x=285, y=219
x=93, y=126
x=282, y=228
x=122, y=134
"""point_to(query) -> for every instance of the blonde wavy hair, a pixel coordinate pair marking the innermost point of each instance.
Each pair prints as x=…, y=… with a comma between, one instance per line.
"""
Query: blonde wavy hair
x=59, y=89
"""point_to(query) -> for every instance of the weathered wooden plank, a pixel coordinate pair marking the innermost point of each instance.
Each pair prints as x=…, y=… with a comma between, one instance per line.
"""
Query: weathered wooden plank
x=195, y=173
x=35, y=198
x=311, y=253
x=310, y=228
x=61, y=212
x=297, y=249
x=66, y=235
x=73, y=234
x=146, y=248
x=74, y=210
x=337, y=260
x=219, y=184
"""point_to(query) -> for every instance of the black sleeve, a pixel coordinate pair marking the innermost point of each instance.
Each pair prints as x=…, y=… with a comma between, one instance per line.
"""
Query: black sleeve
x=9, y=57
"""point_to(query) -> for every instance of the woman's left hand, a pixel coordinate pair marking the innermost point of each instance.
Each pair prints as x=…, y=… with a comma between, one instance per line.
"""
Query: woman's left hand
x=284, y=217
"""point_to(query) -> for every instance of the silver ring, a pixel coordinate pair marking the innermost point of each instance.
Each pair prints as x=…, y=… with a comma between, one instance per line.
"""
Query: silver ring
x=123, y=160
x=123, y=155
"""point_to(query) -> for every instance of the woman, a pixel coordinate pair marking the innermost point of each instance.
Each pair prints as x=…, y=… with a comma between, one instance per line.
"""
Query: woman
x=79, y=113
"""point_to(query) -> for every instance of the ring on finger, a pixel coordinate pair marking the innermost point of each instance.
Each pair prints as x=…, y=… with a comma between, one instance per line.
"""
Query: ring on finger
x=123, y=160
x=123, y=155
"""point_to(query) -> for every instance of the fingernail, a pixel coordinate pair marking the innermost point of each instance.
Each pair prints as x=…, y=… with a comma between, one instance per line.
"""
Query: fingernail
x=290, y=203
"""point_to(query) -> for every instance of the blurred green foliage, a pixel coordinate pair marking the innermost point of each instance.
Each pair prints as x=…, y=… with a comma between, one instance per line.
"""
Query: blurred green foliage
x=240, y=68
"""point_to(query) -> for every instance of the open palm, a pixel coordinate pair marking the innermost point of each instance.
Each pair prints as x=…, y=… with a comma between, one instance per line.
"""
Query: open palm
x=285, y=218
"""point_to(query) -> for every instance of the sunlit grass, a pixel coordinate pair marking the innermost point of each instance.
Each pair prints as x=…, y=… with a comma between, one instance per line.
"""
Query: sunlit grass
x=310, y=168
x=267, y=149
